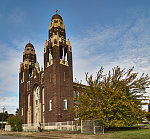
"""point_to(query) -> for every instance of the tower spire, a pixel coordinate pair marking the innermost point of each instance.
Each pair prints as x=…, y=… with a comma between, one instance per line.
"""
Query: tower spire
x=56, y=11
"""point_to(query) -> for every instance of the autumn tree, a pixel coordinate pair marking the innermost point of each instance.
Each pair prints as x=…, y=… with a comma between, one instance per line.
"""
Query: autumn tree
x=115, y=98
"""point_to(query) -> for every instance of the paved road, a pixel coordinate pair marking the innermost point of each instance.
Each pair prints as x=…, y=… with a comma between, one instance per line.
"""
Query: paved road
x=12, y=137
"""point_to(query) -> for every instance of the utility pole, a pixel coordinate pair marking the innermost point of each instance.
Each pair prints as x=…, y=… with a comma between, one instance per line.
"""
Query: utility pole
x=3, y=117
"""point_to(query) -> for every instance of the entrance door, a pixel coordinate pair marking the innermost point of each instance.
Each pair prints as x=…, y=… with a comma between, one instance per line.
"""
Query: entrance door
x=36, y=105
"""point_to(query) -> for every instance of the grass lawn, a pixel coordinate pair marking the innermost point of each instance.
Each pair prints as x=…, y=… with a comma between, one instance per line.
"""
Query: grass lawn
x=128, y=134
x=125, y=133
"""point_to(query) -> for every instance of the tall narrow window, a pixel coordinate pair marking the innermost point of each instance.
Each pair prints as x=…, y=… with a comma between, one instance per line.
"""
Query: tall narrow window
x=29, y=85
x=22, y=112
x=30, y=72
x=66, y=57
x=43, y=95
x=28, y=100
x=65, y=51
x=65, y=104
x=23, y=76
x=49, y=55
x=43, y=100
x=50, y=105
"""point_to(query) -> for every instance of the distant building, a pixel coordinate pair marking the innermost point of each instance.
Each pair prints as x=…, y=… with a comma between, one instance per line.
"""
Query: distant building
x=46, y=95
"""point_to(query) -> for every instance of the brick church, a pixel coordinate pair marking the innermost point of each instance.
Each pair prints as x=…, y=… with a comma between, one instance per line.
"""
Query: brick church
x=46, y=95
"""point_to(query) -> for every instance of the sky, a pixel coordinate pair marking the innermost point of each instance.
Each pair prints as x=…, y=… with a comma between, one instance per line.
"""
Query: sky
x=106, y=33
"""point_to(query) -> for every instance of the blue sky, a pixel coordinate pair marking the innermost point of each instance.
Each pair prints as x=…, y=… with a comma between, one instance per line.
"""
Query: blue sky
x=102, y=33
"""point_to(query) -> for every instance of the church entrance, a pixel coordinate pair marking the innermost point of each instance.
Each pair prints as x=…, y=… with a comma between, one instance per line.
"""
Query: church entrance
x=36, y=105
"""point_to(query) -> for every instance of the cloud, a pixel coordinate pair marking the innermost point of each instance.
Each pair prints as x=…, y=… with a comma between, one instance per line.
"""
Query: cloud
x=9, y=71
x=10, y=103
x=9, y=61
x=125, y=45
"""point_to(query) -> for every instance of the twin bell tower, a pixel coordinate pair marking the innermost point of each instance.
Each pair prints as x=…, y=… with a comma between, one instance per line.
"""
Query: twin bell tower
x=46, y=95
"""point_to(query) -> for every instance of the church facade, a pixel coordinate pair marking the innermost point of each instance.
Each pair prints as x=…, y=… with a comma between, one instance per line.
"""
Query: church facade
x=46, y=95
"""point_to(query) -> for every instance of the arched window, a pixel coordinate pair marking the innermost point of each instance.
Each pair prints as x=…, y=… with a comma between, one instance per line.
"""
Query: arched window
x=50, y=56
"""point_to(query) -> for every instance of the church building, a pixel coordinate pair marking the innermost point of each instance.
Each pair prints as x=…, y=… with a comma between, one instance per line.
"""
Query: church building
x=46, y=95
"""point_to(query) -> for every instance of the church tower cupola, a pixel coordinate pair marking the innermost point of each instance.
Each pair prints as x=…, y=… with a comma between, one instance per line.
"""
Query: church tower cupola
x=57, y=38
x=57, y=27
x=28, y=64
x=29, y=53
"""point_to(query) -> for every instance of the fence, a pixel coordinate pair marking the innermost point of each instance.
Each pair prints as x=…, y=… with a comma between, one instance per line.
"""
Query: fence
x=69, y=125
x=92, y=126
x=30, y=127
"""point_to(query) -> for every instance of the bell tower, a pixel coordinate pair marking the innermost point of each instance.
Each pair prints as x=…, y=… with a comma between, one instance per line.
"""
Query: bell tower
x=26, y=70
x=47, y=95
x=58, y=75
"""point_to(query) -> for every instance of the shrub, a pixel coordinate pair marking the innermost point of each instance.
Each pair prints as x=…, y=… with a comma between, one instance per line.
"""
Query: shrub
x=16, y=123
